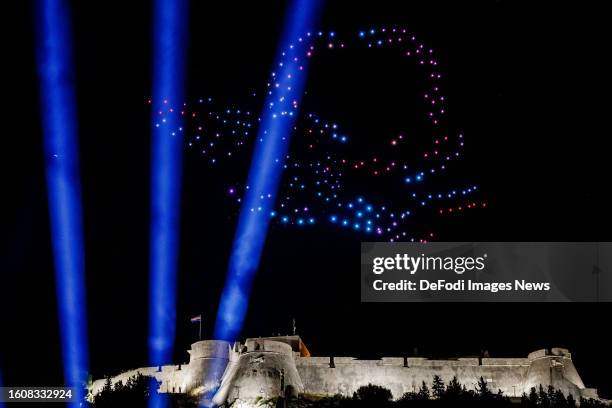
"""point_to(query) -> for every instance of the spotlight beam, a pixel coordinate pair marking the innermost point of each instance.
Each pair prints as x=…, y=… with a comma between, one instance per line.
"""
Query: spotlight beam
x=169, y=52
x=1, y=385
x=264, y=175
x=59, y=126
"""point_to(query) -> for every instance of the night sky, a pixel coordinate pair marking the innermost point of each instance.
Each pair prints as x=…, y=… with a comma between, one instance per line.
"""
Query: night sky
x=522, y=82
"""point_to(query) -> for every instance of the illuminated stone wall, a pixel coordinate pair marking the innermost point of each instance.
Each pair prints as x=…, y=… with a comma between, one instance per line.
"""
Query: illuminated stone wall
x=271, y=367
x=511, y=376
x=207, y=362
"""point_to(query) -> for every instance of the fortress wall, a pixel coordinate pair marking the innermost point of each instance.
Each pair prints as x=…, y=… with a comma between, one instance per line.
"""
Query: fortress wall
x=468, y=360
x=171, y=368
x=98, y=385
x=439, y=363
x=393, y=361
x=313, y=361
x=537, y=354
x=346, y=360
x=345, y=379
x=261, y=374
x=268, y=345
x=207, y=362
x=209, y=349
x=173, y=378
x=558, y=351
x=277, y=347
x=556, y=371
x=169, y=376
x=264, y=368
x=204, y=374
x=506, y=361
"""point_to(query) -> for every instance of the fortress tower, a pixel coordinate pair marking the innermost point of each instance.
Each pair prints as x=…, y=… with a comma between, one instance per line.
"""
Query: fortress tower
x=261, y=368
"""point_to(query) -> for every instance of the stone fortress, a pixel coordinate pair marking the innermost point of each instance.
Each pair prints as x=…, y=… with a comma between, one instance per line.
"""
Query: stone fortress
x=263, y=368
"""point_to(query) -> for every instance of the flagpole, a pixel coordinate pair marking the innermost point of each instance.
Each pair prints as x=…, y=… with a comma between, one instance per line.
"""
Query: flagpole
x=200, y=332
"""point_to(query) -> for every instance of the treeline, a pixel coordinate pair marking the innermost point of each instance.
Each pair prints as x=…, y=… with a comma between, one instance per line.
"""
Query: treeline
x=439, y=394
x=135, y=393
x=137, y=390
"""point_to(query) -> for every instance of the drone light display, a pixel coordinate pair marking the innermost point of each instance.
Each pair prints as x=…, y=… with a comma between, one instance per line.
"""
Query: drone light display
x=324, y=181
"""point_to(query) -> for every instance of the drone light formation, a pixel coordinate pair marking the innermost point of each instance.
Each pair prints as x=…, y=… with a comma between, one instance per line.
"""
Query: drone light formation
x=169, y=52
x=59, y=125
x=325, y=181
x=275, y=129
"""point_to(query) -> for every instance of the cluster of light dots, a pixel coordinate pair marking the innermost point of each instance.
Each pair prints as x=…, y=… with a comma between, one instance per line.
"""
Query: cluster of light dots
x=322, y=183
x=458, y=209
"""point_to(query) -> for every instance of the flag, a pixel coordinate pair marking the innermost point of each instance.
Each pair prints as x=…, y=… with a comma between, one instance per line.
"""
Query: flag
x=196, y=319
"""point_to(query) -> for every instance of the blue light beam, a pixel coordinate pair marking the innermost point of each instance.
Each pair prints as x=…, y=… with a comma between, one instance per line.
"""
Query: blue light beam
x=1, y=385
x=59, y=126
x=169, y=53
x=278, y=117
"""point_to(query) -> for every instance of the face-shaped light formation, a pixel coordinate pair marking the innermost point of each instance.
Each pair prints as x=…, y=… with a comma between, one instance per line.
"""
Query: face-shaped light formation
x=324, y=180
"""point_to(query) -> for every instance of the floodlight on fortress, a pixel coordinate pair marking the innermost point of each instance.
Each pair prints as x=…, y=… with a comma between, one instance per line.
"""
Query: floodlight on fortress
x=59, y=126
x=169, y=53
x=278, y=116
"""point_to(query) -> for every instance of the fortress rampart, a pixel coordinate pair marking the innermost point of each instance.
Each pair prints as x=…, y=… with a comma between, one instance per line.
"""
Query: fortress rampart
x=203, y=372
x=243, y=373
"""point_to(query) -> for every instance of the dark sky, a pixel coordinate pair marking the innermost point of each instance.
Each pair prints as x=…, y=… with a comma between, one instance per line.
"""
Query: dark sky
x=523, y=81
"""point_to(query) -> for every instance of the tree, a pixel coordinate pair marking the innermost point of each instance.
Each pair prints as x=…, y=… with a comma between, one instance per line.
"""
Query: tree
x=453, y=389
x=424, y=392
x=558, y=399
x=534, y=399
x=482, y=390
x=409, y=396
x=373, y=395
x=437, y=387
x=550, y=392
x=105, y=395
x=134, y=393
x=543, y=399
